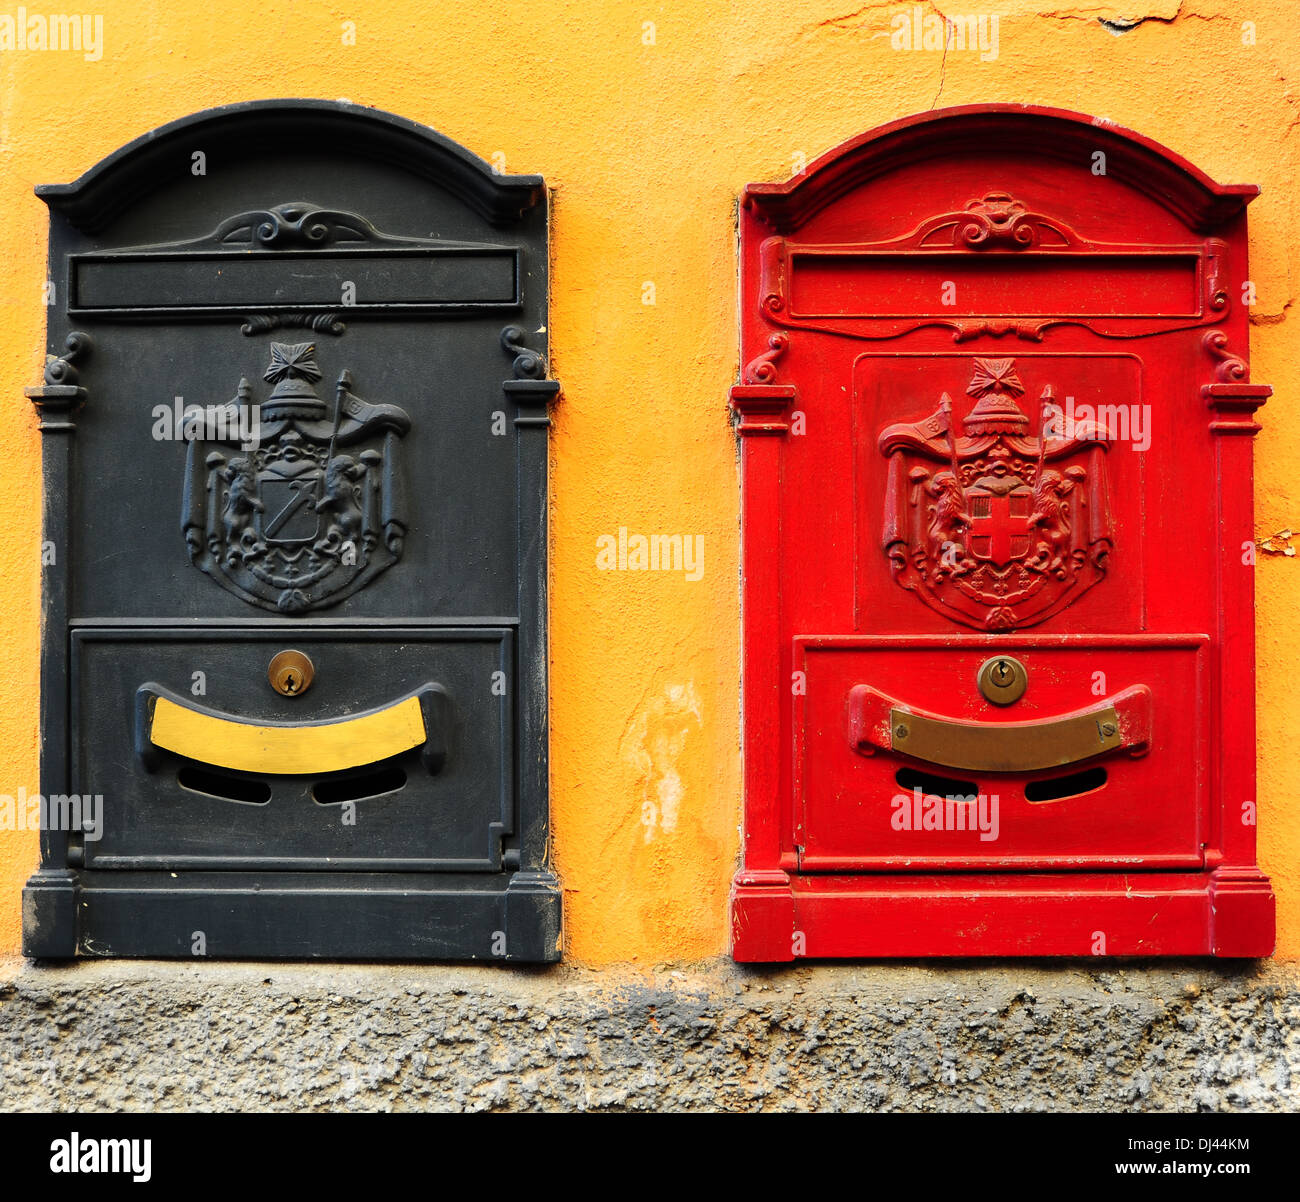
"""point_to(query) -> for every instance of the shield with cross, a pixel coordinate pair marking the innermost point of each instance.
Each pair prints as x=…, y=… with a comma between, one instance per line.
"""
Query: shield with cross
x=1000, y=510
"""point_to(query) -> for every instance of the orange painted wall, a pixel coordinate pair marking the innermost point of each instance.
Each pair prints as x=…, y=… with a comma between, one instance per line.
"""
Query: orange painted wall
x=646, y=133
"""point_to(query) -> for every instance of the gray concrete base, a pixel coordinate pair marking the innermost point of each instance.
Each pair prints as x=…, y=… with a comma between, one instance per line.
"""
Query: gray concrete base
x=112, y=1035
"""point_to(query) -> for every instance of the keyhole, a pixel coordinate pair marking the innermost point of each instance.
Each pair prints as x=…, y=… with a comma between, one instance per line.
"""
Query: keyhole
x=1002, y=679
x=291, y=673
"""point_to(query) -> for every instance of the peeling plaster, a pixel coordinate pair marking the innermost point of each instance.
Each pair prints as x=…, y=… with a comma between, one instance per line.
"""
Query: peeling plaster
x=656, y=739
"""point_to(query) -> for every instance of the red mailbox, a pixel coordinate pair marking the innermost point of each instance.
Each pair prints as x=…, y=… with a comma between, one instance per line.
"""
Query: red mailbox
x=996, y=425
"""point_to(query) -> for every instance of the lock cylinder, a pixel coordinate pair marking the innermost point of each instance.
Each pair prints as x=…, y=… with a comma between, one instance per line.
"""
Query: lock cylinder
x=1002, y=679
x=291, y=673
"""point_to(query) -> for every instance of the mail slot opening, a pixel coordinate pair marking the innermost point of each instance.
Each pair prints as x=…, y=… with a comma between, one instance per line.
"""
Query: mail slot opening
x=246, y=790
x=939, y=786
x=387, y=778
x=1060, y=787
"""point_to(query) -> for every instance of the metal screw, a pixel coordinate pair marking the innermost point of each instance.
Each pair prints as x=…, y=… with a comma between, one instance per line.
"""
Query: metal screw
x=900, y=731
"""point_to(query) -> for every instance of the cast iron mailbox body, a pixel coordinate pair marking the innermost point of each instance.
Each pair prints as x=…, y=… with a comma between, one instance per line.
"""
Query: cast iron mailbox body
x=996, y=431
x=294, y=434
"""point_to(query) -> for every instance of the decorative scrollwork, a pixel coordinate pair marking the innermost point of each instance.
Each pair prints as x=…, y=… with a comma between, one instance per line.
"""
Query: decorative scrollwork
x=528, y=364
x=1027, y=331
x=62, y=369
x=320, y=323
x=1230, y=369
x=762, y=368
x=297, y=224
x=998, y=220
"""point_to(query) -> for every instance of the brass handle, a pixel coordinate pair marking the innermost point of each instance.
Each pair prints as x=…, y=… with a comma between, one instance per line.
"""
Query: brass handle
x=1120, y=722
x=165, y=721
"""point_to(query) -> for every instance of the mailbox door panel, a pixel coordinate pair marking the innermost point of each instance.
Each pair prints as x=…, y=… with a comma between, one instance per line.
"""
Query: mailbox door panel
x=867, y=803
x=381, y=804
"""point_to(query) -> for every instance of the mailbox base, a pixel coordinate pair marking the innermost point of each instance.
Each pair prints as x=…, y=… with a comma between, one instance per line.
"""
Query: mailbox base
x=310, y=916
x=1226, y=913
x=50, y=914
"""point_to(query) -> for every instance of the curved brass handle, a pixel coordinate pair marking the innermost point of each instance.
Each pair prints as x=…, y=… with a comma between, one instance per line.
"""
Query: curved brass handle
x=168, y=722
x=1122, y=721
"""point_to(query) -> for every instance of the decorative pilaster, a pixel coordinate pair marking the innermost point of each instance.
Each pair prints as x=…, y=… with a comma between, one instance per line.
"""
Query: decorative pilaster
x=50, y=896
x=1241, y=899
x=533, y=895
x=763, y=407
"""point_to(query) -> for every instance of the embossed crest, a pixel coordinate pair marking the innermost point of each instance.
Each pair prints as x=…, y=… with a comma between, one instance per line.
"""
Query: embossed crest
x=990, y=525
x=289, y=521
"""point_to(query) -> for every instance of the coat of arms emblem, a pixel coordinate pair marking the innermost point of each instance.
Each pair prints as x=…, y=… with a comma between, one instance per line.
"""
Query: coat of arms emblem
x=990, y=525
x=311, y=510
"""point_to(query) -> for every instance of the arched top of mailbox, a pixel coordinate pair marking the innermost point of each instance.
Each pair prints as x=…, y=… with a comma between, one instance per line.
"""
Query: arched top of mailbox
x=1034, y=132
x=112, y=185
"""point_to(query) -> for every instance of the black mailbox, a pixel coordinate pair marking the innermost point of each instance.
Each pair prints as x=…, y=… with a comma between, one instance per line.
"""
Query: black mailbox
x=295, y=446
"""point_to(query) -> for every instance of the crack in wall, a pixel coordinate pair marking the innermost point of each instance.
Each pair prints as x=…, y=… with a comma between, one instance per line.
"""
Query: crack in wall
x=1122, y=25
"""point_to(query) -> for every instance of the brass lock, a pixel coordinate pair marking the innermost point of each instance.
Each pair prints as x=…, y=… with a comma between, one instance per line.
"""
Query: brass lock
x=1002, y=679
x=291, y=673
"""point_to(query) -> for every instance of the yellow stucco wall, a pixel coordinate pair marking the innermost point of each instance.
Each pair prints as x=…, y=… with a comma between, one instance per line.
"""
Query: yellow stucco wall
x=647, y=119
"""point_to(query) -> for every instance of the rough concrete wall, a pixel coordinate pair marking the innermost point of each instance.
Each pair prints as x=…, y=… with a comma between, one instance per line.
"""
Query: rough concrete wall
x=146, y=1036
